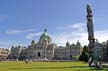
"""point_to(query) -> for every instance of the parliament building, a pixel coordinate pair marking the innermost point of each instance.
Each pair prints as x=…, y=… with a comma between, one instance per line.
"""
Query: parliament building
x=44, y=49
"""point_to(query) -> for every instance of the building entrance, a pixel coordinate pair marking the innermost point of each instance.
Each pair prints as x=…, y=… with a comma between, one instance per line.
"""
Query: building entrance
x=38, y=54
x=70, y=57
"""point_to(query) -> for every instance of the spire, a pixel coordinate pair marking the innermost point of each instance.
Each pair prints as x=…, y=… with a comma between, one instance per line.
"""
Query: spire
x=78, y=43
x=96, y=40
x=67, y=43
x=107, y=42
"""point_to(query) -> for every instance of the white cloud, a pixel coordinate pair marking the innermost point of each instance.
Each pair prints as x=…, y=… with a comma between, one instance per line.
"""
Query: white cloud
x=102, y=35
x=72, y=37
x=18, y=31
x=31, y=35
x=80, y=34
x=77, y=26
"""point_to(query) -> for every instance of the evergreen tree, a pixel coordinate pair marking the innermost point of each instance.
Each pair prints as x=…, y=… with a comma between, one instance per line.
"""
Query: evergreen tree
x=107, y=50
x=84, y=55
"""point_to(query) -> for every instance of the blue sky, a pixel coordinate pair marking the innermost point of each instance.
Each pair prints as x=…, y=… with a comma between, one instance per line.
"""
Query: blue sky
x=24, y=20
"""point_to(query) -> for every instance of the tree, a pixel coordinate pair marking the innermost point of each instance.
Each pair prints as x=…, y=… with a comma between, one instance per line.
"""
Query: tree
x=107, y=52
x=84, y=55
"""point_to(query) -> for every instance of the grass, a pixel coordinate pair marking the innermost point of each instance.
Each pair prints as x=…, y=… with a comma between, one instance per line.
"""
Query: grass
x=46, y=66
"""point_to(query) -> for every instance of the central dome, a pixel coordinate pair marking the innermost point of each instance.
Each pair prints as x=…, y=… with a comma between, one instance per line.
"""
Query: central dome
x=45, y=37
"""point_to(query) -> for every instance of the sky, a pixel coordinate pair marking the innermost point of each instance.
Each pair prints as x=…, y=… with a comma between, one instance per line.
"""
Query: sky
x=65, y=20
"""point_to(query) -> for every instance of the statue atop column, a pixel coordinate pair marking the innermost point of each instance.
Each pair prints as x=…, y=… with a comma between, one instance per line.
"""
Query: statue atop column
x=91, y=38
x=90, y=23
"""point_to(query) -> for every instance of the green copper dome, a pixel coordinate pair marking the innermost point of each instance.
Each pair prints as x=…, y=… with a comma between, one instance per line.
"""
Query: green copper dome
x=45, y=37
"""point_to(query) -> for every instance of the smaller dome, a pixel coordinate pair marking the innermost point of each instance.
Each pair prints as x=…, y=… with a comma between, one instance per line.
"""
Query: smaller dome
x=32, y=42
x=45, y=37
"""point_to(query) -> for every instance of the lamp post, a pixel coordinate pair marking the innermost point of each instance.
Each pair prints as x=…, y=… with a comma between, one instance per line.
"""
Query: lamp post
x=45, y=48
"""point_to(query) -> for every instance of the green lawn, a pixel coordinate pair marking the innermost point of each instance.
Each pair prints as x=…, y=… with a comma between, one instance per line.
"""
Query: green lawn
x=46, y=66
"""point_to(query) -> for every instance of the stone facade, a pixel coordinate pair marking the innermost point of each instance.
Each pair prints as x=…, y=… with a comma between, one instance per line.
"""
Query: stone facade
x=105, y=52
x=70, y=52
x=101, y=50
x=44, y=49
x=60, y=53
x=15, y=52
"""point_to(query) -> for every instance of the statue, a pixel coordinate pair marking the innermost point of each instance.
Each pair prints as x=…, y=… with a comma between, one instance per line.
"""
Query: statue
x=89, y=10
x=90, y=23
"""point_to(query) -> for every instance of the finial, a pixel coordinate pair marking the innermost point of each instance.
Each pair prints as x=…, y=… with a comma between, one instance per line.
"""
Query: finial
x=96, y=40
x=45, y=30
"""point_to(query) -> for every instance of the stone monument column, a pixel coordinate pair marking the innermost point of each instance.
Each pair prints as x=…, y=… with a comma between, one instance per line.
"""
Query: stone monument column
x=91, y=38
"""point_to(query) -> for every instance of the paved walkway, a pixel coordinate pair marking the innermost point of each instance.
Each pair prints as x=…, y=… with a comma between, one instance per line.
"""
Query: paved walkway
x=106, y=63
